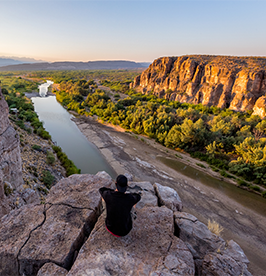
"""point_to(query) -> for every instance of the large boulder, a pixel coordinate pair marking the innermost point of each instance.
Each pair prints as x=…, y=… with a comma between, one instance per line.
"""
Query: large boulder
x=216, y=264
x=168, y=197
x=36, y=234
x=230, y=261
x=149, y=249
x=196, y=235
x=148, y=197
x=15, y=230
x=212, y=255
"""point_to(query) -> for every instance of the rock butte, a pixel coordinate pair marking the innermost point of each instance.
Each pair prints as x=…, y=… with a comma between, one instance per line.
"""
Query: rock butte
x=66, y=236
x=238, y=83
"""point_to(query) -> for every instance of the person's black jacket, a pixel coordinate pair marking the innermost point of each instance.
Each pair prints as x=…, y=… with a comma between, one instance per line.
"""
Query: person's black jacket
x=118, y=207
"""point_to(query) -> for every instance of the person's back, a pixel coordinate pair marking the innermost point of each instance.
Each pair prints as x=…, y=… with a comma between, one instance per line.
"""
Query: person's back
x=118, y=207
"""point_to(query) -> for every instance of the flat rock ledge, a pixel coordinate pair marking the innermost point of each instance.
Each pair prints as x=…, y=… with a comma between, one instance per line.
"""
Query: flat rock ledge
x=66, y=236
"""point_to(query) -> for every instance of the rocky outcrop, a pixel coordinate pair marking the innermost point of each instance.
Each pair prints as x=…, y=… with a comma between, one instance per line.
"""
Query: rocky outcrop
x=67, y=236
x=54, y=232
x=260, y=107
x=168, y=197
x=10, y=160
x=149, y=249
x=52, y=269
x=212, y=255
x=227, y=82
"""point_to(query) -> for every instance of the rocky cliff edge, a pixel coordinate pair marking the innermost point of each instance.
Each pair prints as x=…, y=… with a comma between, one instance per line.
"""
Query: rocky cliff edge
x=10, y=159
x=237, y=83
x=66, y=236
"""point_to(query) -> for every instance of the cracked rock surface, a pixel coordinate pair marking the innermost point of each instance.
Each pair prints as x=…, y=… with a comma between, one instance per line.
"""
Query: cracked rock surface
x=149, y=249
x=15, y=230
x=212, y=255
x=37, y=234
x=67, y=236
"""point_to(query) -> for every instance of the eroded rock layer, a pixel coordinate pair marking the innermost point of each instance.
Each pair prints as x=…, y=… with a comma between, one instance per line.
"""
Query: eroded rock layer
x=227, y=82
x=10, y=160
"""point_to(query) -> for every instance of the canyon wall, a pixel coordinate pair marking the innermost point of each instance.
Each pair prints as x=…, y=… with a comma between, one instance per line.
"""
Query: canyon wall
x=10, y=160
x=238, y=83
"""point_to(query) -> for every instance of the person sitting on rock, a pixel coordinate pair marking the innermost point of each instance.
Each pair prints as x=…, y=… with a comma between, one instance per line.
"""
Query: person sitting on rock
x=118, y=207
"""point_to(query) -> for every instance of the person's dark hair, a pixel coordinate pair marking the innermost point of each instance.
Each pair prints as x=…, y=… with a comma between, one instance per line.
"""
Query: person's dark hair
x=121, y=183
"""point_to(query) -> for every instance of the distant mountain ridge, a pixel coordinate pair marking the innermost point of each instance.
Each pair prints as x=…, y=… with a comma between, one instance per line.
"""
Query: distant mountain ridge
x=9, y=61
x=68, y=65
x=6, y=61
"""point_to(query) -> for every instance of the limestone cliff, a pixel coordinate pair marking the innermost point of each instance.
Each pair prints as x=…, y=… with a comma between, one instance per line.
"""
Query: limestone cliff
x=66, y=236
x=10, y=160
x=227, y=82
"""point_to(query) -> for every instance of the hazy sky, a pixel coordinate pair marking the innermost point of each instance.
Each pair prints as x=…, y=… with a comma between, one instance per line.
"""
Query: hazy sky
x=83, y=30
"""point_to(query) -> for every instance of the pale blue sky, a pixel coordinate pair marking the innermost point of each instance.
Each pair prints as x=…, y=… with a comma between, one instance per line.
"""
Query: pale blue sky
x=131, y=30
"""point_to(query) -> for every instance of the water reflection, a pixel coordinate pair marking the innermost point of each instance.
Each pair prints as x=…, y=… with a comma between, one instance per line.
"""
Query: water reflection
x=250, y=200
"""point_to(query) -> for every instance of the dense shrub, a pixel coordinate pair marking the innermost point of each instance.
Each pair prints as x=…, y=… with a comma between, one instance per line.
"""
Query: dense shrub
x=50, y=158
x=255, y=188
x=47, y=178
x=241, y=182
x=66, y=163
x=36, y=147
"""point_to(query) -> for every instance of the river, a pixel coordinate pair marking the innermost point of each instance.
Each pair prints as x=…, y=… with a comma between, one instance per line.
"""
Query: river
x=57, y=121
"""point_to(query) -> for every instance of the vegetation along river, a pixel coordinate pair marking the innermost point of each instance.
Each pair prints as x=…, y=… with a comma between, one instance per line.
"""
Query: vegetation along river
x=89, y=159
x=57, y=121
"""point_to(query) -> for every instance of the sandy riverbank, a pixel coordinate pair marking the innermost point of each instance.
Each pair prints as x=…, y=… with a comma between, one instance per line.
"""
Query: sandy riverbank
x=126, y=153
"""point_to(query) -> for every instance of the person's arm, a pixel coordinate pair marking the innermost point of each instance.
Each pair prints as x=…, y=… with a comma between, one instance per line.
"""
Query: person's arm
x=137, y=198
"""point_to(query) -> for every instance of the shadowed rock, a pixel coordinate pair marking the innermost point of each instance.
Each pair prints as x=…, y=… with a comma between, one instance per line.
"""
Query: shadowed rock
x=4, y=122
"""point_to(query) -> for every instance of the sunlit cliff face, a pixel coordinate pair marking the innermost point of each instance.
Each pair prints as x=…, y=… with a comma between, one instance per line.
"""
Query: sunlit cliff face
x=225, y=82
